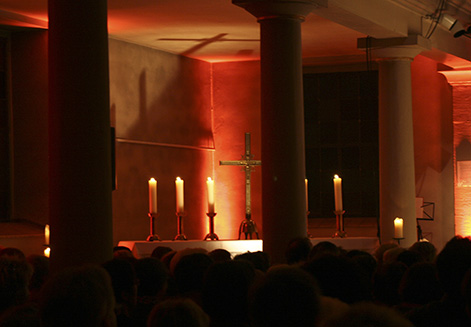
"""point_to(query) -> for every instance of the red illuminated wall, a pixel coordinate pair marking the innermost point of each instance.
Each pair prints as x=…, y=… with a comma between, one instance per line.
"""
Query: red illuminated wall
x=433, y=147
x=461, y=83
x=29, y=92
x=236, y=102
x=161, y=109
x=177, y=116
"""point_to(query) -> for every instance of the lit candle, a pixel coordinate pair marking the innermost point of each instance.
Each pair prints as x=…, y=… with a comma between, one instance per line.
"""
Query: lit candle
x=210, y=188
x=398, y=227
x=338, y=193
x=152, y=195
x=307, y=198
x=46, y=234
x=179, y=189
x=47, y=252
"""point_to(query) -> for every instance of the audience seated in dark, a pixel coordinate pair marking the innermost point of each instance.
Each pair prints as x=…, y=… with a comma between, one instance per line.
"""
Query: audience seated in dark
x=122, y=252
x=386, y=283
x=15, y=275
x=225, y=292
x=298, y=250
x=189, y=275
x=419, y=286
x=259, y=259
x=40, y=265
x=219, y=255
x=322, y=248
x=124, y=283
x=179, y=312
x=25, y=315
x=452, y=264
x=371, y=315
x=12, y=253
x=379, y=252
x=338, y=277
x=153, y=281
x=287, y=296
x=78, y=297
x=409, y=257
x=366, y=265
x=160, y=251
x=427, y=250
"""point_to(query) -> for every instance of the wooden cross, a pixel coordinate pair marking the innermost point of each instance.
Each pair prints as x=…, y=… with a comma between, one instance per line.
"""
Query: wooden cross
x=248, y=226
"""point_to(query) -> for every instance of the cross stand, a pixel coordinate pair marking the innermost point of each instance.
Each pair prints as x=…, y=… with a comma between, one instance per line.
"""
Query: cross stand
x=340, y=228
x=152, y=236
x=211, y=236
x=180, y=236
x=248, y=226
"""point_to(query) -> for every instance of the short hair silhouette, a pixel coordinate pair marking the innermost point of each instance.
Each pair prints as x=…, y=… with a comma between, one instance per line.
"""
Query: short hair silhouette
x=78, y=297
x=288, y=296
x=298, y=250
x=178, y=312
x=371, y=315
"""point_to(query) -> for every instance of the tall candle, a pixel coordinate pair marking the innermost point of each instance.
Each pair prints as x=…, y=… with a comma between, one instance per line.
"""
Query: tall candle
x=210, y=188
x=46, y=234
x=180, y=200
x=338, y=193
x=306, y=193
x=398, y=227
x=152, y=195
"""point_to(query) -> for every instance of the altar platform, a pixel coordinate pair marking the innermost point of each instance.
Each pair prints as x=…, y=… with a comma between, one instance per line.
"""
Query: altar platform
x=142, y=249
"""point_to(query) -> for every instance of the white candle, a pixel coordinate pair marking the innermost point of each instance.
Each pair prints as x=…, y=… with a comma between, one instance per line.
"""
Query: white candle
x=152, y=195
x=210, y=188
x=180, y=200
x=46, y=234
x=307, y=198
x=398, y=227
x=338, y=193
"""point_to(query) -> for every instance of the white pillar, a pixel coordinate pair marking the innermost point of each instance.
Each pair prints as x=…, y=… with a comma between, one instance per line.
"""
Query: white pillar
x=396, y=138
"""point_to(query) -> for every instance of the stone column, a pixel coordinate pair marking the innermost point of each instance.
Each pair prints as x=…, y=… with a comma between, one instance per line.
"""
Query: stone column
x=282, y=116
x=79, y=133
x=396, y=139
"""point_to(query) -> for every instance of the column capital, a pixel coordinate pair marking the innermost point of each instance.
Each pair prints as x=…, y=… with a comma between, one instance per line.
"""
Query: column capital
x=457, y=77
x=266, y=9
x=400, y=48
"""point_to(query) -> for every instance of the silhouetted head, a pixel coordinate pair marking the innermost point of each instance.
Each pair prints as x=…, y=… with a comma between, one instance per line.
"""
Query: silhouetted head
x=288, y=296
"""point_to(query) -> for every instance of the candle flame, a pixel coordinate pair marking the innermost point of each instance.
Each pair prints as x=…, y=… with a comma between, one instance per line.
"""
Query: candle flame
x=179, y=179
x=209, y=179
x=336, y=176
x=152, y=179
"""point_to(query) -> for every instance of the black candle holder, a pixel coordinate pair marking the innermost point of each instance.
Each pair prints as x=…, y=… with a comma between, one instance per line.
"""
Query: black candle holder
x=340, y=227
x=180, y=235
x=211, y=235
x=152, y=235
